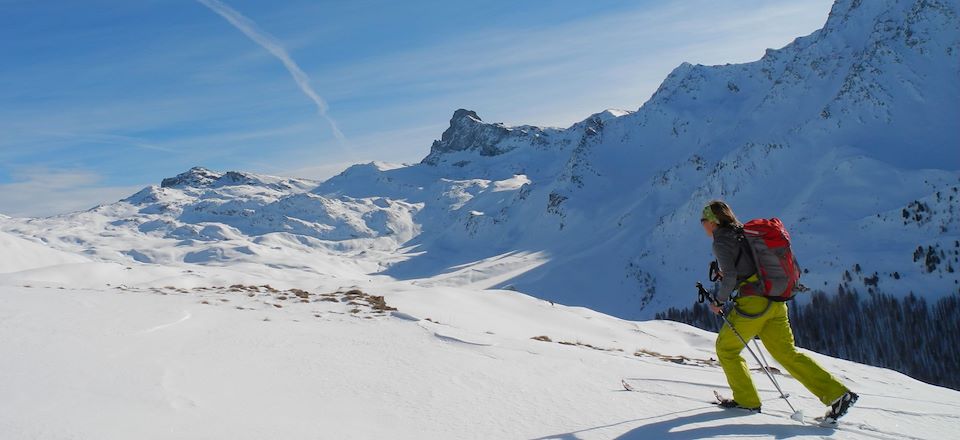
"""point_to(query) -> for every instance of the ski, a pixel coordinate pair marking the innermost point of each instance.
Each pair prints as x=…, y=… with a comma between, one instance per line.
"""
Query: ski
x=727, y=403
x=860, y=428
x=821, y=421
x=827, y=422
x=719, y=397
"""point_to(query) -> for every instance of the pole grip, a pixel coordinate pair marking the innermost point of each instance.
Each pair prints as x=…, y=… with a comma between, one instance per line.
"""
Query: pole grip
x=714, y=274
x=703, y=294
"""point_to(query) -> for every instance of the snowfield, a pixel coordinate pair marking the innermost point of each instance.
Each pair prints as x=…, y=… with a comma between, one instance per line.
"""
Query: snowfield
x=20, y=254
x=143, y=356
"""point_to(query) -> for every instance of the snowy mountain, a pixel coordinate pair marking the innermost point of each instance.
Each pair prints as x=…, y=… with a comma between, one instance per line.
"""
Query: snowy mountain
x=837, y=133
x=848, y=134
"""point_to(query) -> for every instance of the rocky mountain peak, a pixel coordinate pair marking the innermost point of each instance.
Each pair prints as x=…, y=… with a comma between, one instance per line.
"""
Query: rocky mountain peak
x=194, y=177
x=464, y=115
x=199, y=178
x=467, y=132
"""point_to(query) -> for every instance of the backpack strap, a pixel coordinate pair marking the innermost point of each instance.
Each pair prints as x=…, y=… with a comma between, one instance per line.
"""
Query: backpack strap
x=742, y=241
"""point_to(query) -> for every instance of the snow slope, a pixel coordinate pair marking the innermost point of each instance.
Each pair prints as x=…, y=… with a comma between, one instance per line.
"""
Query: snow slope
x=100, y=350
x=19, y=255
x=162, y=362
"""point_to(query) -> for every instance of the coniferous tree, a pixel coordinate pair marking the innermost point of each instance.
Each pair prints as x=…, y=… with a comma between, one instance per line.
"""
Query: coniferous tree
x=907, y=334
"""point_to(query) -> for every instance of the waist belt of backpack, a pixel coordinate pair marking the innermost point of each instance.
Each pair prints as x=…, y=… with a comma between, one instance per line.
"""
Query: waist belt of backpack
x=752, y=315
x=752, y=279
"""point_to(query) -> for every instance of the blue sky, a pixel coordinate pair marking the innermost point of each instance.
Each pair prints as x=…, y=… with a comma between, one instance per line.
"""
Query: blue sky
x=100, y=98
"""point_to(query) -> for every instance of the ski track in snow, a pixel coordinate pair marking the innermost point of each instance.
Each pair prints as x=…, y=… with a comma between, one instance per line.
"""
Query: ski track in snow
x=448, y=334
x=186, y=316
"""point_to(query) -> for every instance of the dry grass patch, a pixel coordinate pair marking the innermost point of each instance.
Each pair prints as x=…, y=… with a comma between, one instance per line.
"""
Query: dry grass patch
x=377, y=303
x=584, y=344
x=300, y=293
x=675, y=358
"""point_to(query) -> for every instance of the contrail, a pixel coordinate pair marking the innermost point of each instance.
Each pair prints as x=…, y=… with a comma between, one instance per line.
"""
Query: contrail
x=268, y=42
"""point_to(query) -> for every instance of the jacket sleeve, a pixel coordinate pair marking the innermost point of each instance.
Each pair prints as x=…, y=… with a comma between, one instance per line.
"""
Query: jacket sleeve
x=725, y=249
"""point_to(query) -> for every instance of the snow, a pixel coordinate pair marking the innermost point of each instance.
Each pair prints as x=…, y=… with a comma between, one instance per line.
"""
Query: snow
x=100, y=350
x=163, y=362
x=19, y=254
x=226, y=304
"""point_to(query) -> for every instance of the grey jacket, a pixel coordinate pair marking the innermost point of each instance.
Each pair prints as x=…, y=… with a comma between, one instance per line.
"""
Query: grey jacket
x=726, y=248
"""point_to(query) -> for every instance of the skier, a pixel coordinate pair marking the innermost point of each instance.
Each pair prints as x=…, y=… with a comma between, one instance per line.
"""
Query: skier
x=759, y=315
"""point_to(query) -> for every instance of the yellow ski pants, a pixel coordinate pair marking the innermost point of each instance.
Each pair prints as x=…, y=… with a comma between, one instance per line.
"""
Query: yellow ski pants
x=773, y=327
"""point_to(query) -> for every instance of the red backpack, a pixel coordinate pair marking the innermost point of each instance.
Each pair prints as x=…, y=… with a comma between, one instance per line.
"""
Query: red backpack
x=769, y=243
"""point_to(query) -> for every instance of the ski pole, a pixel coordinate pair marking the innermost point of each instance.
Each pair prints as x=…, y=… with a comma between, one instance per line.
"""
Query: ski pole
x=704, y=294
x=767, y=366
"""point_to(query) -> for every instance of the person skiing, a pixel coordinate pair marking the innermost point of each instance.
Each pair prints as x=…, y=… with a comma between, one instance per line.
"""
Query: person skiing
x=758, y=315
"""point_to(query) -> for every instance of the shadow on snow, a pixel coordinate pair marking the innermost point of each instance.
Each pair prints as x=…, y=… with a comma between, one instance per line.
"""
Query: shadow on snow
x=672, y=428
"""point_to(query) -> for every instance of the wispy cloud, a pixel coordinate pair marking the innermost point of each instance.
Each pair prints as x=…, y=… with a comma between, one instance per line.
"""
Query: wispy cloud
x=112, y=139
x=559, y=74
x=38, y=192
x=268, y=42
x=405, y=145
